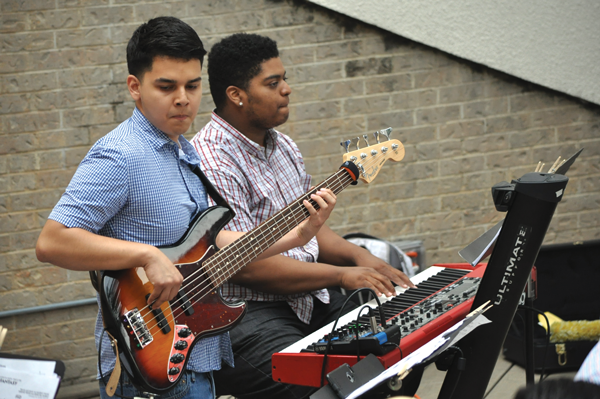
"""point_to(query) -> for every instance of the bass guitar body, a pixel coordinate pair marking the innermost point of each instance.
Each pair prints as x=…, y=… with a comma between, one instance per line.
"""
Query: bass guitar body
x=155, y=344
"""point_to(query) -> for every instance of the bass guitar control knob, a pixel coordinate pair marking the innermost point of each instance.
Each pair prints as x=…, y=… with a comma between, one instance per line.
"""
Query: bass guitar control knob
x=177, y=358
x=184, y=332
x=181, y=345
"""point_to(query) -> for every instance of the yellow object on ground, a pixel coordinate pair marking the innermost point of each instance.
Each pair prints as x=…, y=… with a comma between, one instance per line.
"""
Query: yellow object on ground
x=580, y=330
x=552, y=318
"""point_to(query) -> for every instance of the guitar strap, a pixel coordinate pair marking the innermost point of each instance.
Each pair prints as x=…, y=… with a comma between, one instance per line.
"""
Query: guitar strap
x=211, y=190
x=111, y=385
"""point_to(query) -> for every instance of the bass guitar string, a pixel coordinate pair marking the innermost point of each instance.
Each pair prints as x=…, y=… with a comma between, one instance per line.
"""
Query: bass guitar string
x=265, y=234
x=203, y=292
x=216, y=257
x=326, y=183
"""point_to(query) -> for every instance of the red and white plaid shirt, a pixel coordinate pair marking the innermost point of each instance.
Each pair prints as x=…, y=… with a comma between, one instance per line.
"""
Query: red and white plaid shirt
x=257, y=182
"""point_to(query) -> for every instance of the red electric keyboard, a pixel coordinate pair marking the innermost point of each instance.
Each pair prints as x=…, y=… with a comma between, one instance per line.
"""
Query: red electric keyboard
x=443, y=297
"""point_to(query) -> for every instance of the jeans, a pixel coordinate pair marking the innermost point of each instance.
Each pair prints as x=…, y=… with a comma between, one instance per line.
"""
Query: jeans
x=267, y=328
x=192, y=385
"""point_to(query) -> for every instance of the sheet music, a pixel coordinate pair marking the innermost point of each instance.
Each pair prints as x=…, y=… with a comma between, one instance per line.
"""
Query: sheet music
x=27, y=379
x=30, y=366
x=483, y=245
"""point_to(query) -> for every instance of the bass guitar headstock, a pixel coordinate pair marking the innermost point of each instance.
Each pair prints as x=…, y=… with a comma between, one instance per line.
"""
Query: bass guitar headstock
x=371, y=158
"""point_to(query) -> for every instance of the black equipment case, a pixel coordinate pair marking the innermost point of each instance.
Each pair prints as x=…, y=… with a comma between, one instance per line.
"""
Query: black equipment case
x=568, y=277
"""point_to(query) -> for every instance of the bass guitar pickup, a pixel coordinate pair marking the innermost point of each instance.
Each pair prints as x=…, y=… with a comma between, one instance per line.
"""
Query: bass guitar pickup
x=159, y=316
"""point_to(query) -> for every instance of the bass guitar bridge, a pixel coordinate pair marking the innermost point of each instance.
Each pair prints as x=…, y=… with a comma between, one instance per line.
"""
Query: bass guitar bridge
x=136, y=327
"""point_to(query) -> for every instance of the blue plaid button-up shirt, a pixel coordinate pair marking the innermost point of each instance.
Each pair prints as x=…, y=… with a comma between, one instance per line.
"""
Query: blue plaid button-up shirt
x=135, y=184
x=258, y=182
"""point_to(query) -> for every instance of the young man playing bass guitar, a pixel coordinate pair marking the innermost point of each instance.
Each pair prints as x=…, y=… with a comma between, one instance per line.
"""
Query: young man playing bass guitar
x=136, y=190
x=260, y=171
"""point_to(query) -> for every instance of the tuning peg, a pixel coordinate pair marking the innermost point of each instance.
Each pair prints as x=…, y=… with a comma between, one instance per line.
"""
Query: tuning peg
x=376, y=134
x=386, y=132
x=345, y=144
x=366, y=138
x=355, y=142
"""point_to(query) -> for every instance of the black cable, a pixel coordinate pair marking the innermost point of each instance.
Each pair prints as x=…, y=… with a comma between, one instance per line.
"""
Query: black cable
x=324, y=367
x=522, y=335
x=547, y=337
x=454, y=362
x=397, y=346
x=356, y=332
x=381, y=314
x=458, y=349
x=357, y=342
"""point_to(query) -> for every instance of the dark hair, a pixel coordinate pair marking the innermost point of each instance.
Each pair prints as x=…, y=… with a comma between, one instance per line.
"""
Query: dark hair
x=560, y=388
x=235, y=60
x=162, y=37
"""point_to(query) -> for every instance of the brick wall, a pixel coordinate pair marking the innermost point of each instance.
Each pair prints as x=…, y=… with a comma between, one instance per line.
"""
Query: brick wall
x=465, y=127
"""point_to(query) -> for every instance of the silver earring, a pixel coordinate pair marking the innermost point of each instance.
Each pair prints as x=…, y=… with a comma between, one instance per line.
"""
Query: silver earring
x=241, y=103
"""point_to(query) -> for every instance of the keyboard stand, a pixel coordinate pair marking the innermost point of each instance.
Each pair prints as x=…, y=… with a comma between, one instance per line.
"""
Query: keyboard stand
x=530, y=201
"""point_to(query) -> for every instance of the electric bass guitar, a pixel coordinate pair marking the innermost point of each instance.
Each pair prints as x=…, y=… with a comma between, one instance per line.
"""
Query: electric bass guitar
x=154, y=343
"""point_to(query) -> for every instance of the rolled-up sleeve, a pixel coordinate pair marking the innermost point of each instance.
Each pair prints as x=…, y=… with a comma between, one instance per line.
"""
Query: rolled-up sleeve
x=96, y=193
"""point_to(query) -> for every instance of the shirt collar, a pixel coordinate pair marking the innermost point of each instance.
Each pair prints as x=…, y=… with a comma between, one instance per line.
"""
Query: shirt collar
x=158, y=139
x=247, y=144
x=154, y=135
x=187, y=152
